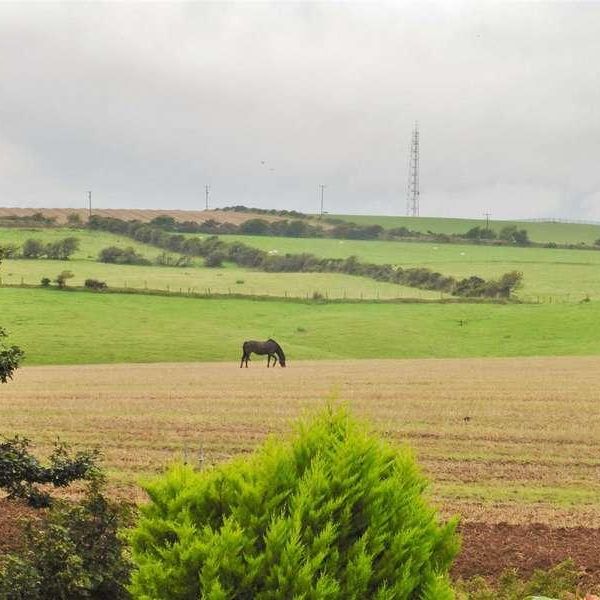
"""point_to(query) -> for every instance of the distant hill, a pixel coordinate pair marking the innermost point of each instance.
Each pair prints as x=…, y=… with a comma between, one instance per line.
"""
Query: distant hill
x=144, y=215
x=539, y=231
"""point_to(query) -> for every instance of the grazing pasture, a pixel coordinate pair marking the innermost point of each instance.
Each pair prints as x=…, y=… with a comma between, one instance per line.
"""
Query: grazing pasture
x=566, y=275
x=66, y=327
x=514, y=440
x=539, y=231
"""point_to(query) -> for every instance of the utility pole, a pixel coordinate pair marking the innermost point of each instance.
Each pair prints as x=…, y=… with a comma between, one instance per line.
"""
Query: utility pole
x=206, y=191
x=487, y=220
x=322, y=187
x=412, y=189
x=89, y=195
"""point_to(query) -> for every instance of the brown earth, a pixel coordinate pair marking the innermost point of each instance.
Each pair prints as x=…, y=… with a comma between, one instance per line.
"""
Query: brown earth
x=490, y=549
x=144, y=215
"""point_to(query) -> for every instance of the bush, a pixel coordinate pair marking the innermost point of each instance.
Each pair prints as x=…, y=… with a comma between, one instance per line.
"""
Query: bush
x=62, y=277
x=74, y=553
x=21, y=472
x=214, y=260
x=45, y=282
x=334, y=513
x=10, y=358
x=33, y=249
x=95, y=284
x=122, y=256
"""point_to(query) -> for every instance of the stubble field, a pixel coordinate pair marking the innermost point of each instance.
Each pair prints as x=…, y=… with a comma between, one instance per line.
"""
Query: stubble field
x=503, y=440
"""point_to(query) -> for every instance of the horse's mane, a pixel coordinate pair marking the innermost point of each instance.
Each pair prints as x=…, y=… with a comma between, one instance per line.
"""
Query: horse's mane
x=279, y=349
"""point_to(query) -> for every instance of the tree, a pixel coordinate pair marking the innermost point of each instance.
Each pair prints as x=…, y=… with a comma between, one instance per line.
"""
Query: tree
x=333, y=513
x=62, y=249
x=61, y=278
x=33, y=249
x=10, y=358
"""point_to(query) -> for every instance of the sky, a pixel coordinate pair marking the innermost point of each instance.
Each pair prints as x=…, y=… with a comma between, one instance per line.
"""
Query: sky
x=147, y=103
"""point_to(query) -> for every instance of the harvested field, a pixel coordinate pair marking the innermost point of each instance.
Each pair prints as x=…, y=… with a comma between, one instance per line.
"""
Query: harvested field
x=144, y=215
x=515, y=440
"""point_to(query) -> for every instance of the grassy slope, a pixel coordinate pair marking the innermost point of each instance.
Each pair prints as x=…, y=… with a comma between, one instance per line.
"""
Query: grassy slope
x=546, y=271
x=75, y=327
x=563, y=233
x=84, y=266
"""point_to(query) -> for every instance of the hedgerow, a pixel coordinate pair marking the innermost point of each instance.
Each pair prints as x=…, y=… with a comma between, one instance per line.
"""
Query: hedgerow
x=334, y=513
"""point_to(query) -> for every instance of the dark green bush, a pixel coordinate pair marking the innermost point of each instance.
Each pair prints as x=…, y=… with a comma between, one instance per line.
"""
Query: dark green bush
x=21, y=473
x=334, y=513
x=122, y=256
x=95, y=284
x=10, y=358
x=73, y=553
x=214, y=260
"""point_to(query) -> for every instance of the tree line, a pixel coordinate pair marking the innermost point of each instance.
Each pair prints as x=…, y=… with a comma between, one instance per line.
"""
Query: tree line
x=215, y=251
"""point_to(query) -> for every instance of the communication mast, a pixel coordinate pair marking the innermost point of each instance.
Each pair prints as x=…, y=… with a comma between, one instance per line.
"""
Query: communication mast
x=412, y=189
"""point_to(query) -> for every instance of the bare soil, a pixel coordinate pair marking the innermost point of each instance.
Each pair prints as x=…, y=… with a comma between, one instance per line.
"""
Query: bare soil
x=490, y=549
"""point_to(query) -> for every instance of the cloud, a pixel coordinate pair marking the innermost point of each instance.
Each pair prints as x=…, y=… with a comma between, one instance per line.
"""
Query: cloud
x=146, y=103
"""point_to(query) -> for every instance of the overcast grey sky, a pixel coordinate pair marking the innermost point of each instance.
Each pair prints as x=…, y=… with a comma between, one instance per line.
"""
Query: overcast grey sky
x=146, y=103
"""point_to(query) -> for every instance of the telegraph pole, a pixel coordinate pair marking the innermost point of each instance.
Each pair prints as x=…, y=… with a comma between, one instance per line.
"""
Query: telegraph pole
x=206, y=191
x=322, y=187
x=89, y=196
x=487, y=220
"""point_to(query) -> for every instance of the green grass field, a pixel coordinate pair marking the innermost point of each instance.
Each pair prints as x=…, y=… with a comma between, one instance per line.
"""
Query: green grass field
x=77, y=327
x=567, y=275
x=91, y=242
x=549, y=274
x=231, y=279
x=561, y=233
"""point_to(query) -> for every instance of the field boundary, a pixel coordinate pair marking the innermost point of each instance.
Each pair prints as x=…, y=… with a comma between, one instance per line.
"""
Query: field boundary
x=308, y=299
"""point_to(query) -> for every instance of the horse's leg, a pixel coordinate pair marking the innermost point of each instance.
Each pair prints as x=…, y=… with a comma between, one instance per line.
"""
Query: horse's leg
x=274, y=360
x=268, y=360
x=242, y=361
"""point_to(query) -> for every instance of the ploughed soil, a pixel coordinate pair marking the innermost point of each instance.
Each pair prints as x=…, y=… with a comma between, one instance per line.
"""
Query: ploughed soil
x=490, y=549
x=487, y=549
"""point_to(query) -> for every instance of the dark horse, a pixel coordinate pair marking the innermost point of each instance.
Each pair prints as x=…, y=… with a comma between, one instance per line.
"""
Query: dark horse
x=271, y=348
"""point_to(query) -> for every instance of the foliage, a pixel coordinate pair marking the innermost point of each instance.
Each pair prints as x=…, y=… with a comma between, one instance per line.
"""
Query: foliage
x=62, y=277
x=254, y=258
x=333, y=513
x=95, y=284
x=557, y=582
x=214, y=260
x=21, y=472
x=45, y=282
x=168, y=260
x=58, y=250
x=122, y=256
x=75, y=553
x=10, y=358
x=511, y=233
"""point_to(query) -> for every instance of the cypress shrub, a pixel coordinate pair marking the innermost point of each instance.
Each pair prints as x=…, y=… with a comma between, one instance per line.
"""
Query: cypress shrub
x=334, y=513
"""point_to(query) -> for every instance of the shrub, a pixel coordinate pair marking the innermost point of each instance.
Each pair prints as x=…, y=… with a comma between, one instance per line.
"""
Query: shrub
x=122, y=256
x=95, y=284
x=62, y=277
x=21, y=472
x=33, y=249
x=214, y=260
x=45, y=282
x=10, y=358
x=334, y=513
x=73, y=553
